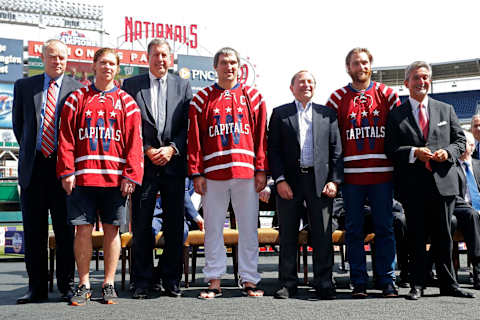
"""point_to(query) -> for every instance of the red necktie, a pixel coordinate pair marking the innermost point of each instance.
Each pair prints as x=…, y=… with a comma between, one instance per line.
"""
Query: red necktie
x=422, y=120
x=48, y=133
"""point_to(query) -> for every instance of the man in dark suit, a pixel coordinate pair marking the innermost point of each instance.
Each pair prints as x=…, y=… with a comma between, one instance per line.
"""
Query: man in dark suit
x=467, y=205
x=164, y=100
x=424, y=140
x=475, y=130
x=304, y=151
x=37, y=106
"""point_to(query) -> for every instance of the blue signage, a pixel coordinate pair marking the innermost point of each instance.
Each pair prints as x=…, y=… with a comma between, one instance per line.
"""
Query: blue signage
x=11, y=60
x=6, y=104
x=199, y=70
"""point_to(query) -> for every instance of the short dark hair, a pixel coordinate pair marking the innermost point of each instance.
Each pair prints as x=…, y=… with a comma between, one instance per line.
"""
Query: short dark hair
x=226, y=51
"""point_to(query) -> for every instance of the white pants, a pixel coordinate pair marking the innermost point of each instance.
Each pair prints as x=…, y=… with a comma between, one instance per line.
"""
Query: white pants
x=245, y=206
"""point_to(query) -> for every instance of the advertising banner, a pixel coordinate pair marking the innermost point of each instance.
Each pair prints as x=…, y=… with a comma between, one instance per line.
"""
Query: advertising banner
x=11, y=59
x=199, y=70
x=6, y=104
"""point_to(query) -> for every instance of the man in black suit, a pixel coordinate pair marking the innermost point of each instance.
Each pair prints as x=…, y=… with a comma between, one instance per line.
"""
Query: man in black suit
x=37, y=106
x=475, y=130
x=164, y=100
x=467, y=205
x=304, y=152
x=424, y=140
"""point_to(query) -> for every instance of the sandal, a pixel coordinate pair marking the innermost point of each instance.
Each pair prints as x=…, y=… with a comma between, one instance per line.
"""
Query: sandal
x=251, y=292
x=207, y=294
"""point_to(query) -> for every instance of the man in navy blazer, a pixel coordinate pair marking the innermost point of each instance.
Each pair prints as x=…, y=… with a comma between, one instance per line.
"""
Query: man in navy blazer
x=41, y=192
x=424, y=140
x=304, y=152
x=164, y=100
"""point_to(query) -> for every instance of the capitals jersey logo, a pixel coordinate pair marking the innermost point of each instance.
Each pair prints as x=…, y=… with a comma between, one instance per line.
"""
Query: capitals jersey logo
x=228, y=119
x=364, y=122
x=101, y=124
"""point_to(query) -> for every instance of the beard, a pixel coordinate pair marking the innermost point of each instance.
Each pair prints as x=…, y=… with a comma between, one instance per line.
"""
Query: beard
x=361, y=76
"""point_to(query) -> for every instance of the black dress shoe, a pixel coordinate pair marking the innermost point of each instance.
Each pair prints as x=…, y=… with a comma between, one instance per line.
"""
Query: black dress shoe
x=285, y=293
x=173, y=291
x=141, y=293
x=66, y=296
x=29, y=297
x=326, y=293
x=414, y=294
x=459, y=293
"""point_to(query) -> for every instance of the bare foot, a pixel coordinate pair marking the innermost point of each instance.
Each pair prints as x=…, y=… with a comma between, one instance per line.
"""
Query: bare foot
x=251, y=290
x=213, y=290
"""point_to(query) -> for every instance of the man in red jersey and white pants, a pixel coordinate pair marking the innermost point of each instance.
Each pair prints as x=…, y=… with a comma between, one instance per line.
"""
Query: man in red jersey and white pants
x=362, y=108
x=100, y=160
x=227, y=160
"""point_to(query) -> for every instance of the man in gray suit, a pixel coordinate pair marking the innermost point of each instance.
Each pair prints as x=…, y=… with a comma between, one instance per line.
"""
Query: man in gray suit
x=37, y=105
x=164, y=100
x=304, y=152
x=424, y=140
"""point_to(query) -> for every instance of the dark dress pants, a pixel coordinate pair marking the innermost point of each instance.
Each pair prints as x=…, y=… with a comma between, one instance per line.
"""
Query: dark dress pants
x=430, y=214
x=172, y=191
x=319, y=214
x=401, y=241
x=468, y=221
x=43, y=195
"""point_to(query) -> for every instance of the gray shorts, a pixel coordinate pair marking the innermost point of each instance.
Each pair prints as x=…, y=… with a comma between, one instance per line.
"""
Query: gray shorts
x=84, y=203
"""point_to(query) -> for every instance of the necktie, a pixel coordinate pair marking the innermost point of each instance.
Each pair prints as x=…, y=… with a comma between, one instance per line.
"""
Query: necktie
x=423, y=123
x=472, y=187
x=422, y=120
x=48, y=132
x=161, y=112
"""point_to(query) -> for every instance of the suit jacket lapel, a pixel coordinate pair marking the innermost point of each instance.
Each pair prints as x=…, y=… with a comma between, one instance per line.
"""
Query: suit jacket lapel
x=147, y=96
x=463, y=180
x=433, y=117
x=64, y=91
x=315, y=130
x=293, y=118
x=476, y=170
x=413, y=121
x=37, y=99
x=171, y=103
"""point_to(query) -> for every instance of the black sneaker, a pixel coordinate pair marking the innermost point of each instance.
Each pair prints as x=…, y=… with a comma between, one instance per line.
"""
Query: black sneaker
x=359, y=291
x=109, y=294
x=81, y=296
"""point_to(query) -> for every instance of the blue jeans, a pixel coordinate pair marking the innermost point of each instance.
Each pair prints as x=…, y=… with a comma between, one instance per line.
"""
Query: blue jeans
x=380, y=200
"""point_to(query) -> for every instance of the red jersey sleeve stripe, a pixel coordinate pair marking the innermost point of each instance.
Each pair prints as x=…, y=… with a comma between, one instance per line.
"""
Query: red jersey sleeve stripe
x=194, y=104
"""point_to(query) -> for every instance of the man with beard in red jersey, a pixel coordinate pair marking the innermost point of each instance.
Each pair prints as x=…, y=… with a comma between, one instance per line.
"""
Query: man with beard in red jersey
x=362, y=108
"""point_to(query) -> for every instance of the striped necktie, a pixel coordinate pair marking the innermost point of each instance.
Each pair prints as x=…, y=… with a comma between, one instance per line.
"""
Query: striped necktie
x=48, y=133
x=422, y=120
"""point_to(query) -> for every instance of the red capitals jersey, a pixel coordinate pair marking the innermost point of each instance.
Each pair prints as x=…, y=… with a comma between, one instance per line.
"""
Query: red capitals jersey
x=227, y=133
x=362, y=116
x=100, y=138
